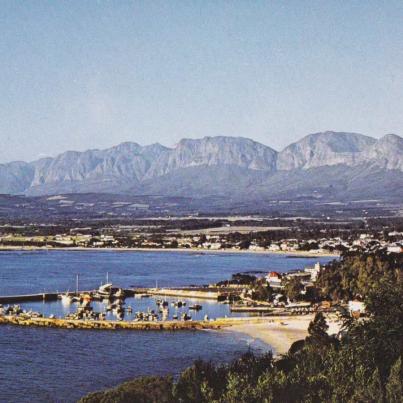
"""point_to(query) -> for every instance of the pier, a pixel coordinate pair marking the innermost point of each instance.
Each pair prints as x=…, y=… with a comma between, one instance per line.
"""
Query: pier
x=45, y=296
x=184, y=293
x=48, y=296
x=167, y=292
x=251, y=308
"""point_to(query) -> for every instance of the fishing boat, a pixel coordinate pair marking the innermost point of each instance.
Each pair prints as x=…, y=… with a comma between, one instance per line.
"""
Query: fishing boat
x=186, y=317
x=66, y=298
x=109, y=291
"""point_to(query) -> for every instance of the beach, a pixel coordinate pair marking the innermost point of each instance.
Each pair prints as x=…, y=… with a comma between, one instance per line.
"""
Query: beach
x=282, y=331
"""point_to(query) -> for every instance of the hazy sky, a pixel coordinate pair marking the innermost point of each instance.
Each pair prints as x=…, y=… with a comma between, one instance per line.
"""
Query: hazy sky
x=91, y=74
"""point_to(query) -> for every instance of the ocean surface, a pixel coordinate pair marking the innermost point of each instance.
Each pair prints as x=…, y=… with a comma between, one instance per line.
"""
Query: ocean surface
x=58, y=365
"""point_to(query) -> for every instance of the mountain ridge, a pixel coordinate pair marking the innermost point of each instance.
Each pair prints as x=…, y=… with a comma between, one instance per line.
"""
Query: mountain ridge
x=210, y=165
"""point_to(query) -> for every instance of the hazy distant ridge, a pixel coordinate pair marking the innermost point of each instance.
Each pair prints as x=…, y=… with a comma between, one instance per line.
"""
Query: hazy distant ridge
x=215, y=165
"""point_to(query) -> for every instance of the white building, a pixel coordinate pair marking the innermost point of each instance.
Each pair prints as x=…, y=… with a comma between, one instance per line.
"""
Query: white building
x=395, y=249
x=273, y=279
x=356, y=306
x=313, y=271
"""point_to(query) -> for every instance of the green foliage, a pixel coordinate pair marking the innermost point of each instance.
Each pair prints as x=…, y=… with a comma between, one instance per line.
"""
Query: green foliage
x=317, y=330
x=358, y=273
x=262, y=292
x=142, y=390
x=202, y=382
x=368, y=389
x=394, y=386
x=293, y=288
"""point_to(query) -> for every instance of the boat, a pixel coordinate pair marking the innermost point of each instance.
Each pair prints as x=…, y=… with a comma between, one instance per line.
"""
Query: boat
x=66, y=298
x=85, y=299
x=186, y=317
x=195, y=307
x=119, y=293
x=109, y=291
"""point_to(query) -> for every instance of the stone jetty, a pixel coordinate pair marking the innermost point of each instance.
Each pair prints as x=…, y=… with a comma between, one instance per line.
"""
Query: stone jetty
x=127, y=325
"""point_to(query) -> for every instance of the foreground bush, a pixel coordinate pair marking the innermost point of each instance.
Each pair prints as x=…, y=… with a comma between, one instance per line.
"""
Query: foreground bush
x=151, y=389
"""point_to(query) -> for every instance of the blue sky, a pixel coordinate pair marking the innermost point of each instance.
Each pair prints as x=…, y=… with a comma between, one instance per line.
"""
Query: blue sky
x=92, y=74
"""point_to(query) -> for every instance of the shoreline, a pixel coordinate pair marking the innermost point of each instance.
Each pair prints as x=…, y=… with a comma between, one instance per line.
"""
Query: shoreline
x=301, y=254
x=279, y=333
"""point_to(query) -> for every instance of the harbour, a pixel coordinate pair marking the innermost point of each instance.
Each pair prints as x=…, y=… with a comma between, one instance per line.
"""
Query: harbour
x=107, y=346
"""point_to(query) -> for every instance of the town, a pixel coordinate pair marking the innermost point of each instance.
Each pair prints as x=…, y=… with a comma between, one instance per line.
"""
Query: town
x=225, y=238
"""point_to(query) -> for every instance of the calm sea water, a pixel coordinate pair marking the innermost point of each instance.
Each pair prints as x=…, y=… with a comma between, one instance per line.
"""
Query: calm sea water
x=41, y=365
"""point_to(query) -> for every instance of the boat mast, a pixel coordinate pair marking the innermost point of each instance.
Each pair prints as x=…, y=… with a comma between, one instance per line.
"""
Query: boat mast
x=107, y=277
x=77, y=284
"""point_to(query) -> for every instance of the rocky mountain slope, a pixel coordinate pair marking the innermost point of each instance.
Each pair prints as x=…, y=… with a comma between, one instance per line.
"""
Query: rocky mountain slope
x=329, y=164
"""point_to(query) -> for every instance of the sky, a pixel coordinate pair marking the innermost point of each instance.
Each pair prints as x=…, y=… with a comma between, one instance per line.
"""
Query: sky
x=78, y=75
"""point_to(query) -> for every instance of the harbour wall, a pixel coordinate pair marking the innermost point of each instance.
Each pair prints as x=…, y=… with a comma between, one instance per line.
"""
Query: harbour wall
x=125, y=325
x=170, y=292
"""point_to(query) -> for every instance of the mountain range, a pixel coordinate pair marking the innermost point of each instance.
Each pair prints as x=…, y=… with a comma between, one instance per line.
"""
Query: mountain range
x=331, y=165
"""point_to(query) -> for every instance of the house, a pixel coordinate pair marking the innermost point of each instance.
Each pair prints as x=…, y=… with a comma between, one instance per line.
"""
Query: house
x=211, y=245
x=256, y=248
x=313, y=271
x=356, y=307
x=274, y=279
x=107, y=238
x=395, y=248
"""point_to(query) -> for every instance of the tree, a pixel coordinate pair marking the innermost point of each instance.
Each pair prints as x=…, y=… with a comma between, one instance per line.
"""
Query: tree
x=293, y=288
x=150, y=389
x=368, y=389
x=394, y=386
x=200, y=383
x=318, y=327
x=244, y=244
x=262, y=292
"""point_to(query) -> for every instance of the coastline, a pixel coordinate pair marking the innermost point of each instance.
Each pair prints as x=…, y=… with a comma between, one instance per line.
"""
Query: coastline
x=301, y=254
x=277, y=332
x=281, y=332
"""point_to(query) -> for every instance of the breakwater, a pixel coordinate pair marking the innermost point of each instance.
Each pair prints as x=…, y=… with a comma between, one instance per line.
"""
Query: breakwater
x=48, y=296
x=185, y=293
x=10, y=299
x=126, y=325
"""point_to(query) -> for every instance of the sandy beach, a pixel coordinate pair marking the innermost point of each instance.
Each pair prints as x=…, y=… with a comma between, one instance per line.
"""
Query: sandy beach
x=281, y=332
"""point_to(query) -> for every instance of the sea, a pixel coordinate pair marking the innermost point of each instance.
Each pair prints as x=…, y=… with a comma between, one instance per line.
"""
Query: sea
x=62, y=365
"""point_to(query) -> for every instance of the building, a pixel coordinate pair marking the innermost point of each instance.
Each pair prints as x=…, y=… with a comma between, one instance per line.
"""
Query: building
x=356, y=307
x=274, y=279
x=395, y=248
x=313, y=271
